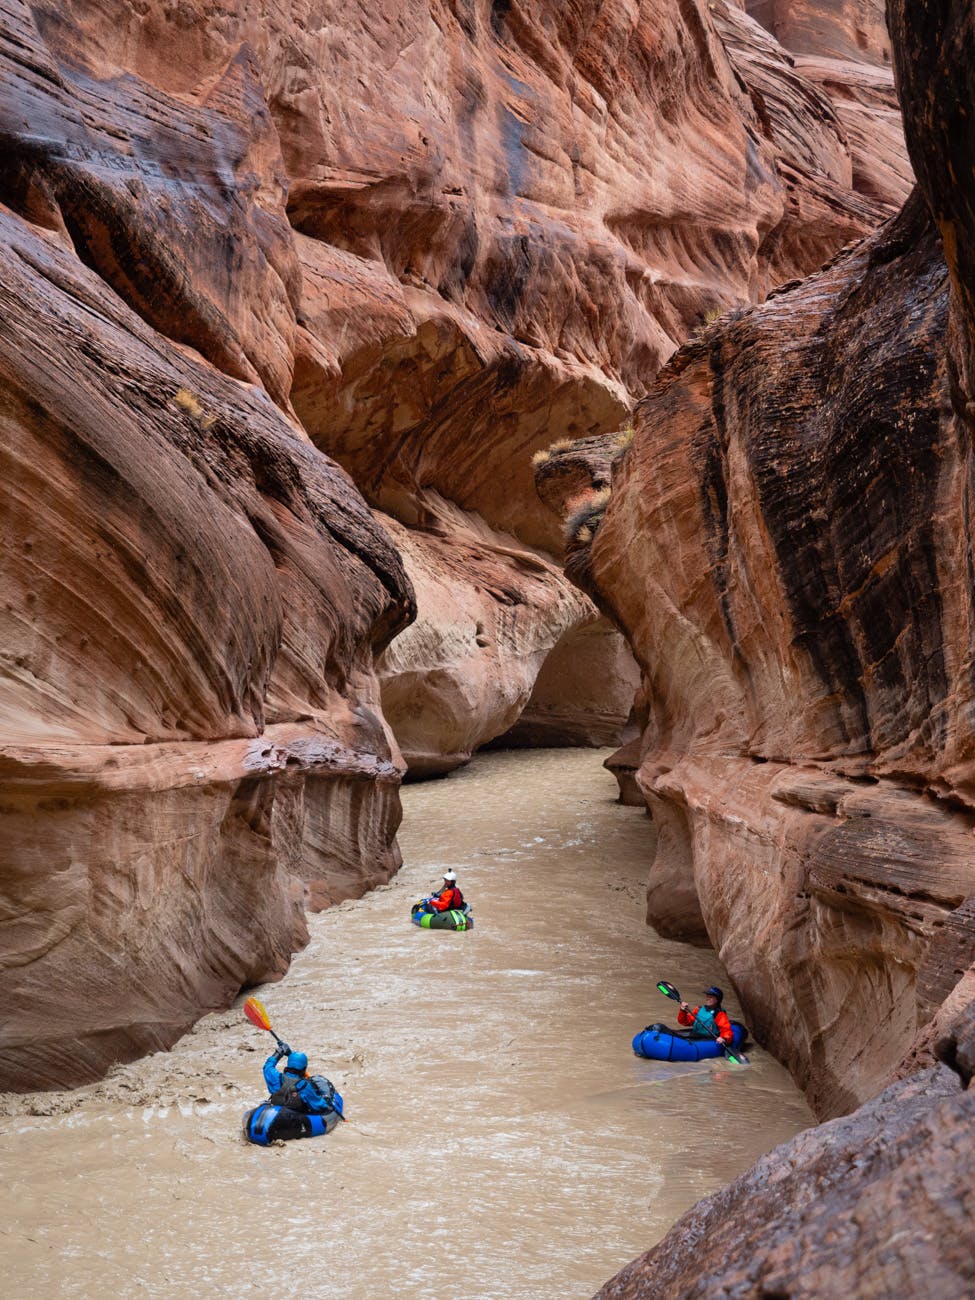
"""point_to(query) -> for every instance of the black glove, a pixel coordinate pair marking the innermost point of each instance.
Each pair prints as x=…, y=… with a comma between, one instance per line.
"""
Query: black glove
x=284, y=1049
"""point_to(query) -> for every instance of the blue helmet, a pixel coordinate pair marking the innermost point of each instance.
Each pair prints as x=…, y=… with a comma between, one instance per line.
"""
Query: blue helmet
x=297, y=1062
x=714, y=992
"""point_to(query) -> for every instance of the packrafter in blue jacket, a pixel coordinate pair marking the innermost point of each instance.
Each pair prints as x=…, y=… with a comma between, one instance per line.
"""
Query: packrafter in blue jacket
x=292, y=1087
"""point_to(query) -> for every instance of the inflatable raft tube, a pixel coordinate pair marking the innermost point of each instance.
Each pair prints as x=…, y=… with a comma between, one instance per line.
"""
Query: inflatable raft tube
x=454, y=919
x=268, y=1123
x=658, y=1043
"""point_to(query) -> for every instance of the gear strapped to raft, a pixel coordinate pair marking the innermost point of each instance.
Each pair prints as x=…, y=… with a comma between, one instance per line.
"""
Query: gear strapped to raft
x=288, y=1095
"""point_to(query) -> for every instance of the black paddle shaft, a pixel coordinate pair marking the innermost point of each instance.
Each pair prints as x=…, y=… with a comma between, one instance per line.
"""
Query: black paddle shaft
x=280, y=1041
x=669, y=991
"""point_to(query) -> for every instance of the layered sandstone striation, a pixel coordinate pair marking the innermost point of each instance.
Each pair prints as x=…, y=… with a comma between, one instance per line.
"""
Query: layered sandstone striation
x=798, y=604
x=583, y=694
x=870, y=117
x=878, y=1203
x=489, y=613
x=786, y=549
x=191, y=738
x=520, y=261
x=421, y=275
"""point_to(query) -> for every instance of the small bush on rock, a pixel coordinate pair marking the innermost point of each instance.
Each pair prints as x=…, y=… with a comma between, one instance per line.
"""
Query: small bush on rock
x=190, y=403
x=584, y=516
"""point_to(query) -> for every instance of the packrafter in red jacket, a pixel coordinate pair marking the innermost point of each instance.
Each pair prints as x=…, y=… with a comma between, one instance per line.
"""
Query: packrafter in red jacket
x=708, y=1017
x=450, y=896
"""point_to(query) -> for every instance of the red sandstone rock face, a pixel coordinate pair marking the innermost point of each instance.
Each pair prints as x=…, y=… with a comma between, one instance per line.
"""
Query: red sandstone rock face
x=796, y=604
x=583, y=694
x=938, y=1038
x=632, y=201
x=190, y=728
x=841, y=29
x=477, y=267
x=178, y=206
x=801, y=605
x=489, y=612
x=869, y=114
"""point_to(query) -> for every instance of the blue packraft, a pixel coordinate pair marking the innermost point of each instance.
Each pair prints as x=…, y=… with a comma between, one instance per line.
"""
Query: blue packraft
x=658, y=1043
x=269, y=1123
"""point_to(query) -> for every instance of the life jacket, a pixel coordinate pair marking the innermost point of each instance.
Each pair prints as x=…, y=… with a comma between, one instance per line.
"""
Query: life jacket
x=706, y=1023
x=705, y=1020
x=450, y=899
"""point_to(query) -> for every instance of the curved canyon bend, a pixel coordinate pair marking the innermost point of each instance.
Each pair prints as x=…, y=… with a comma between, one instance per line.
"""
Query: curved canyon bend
x=504, y=1141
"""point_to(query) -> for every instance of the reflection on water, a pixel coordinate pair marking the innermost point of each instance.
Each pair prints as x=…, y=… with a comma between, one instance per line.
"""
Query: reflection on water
x=504, y=1141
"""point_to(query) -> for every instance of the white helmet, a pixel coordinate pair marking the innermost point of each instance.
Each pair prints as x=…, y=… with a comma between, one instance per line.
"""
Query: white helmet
x=450, y=875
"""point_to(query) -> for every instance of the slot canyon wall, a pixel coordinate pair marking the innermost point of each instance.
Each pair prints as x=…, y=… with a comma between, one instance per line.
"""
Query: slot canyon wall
x=291, y=294
x=817, y=814
x=788, y=547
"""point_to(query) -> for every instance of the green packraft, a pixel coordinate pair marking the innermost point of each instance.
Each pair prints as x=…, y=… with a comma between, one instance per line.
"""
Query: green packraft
x=449, y=920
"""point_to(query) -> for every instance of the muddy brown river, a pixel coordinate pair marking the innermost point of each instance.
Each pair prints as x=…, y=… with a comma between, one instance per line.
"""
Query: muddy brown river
x=504, y=1141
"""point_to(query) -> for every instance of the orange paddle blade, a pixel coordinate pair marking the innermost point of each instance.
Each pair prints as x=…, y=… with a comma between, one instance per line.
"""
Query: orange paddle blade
x=255, y=1013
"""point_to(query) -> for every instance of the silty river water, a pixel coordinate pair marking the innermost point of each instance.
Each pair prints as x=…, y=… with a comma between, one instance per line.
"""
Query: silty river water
x=504, y=1141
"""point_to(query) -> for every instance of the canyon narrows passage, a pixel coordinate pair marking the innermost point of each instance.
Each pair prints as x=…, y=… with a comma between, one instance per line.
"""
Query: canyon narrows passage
x=504, y=1141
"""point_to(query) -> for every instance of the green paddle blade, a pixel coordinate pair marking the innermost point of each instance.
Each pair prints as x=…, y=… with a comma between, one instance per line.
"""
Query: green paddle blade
x=668, y=990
